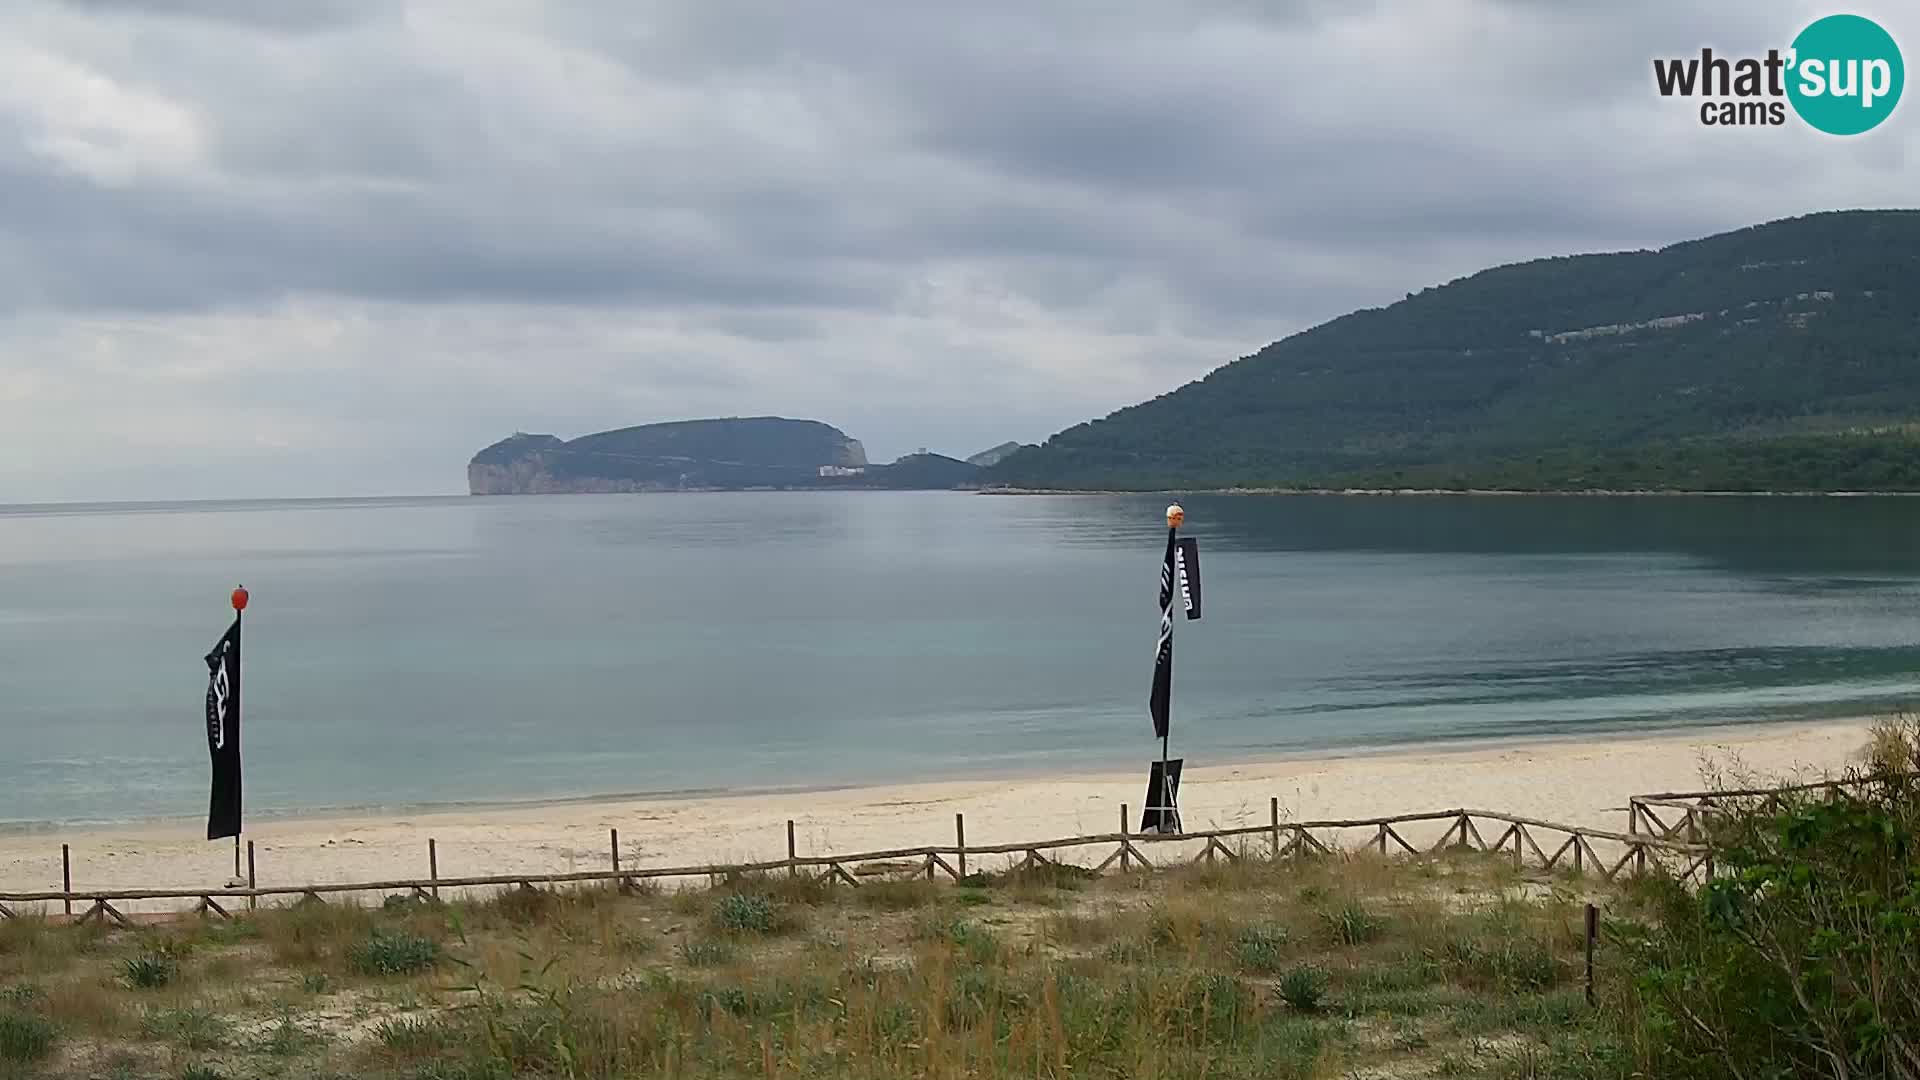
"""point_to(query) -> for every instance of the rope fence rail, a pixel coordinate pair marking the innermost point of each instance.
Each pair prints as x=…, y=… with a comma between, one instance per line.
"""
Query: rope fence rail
x=1573, y=851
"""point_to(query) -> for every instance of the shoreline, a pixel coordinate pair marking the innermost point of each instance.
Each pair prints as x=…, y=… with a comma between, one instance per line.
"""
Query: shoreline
x=1259, y=759
x=1504, y=493
x=1573, y=780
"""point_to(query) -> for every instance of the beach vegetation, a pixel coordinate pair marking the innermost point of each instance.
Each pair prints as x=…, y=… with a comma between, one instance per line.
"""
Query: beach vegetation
x=705, y=952
x=394, y=952
x=1352, y=924
x=196, y=1027
x=25, y=1036
x=1261, y=947
x=1304, y=987
x=1802, y=956
x=151, y=970
x=745, y=913
x=1348, y=964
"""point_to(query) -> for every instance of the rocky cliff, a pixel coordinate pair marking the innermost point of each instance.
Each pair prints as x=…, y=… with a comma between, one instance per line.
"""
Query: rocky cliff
x=730, y=453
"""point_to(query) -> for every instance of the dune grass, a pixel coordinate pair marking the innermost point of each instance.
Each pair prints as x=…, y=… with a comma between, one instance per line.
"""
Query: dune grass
x=1241, y=969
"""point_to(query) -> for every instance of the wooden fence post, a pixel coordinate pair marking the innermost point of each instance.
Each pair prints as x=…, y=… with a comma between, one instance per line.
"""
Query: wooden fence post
x=613, y=848
x=1273, y=822
x=960, y=842
x=433, y=866
x=1593, y=931
x=66, y=878
x=252, y=882
x=793, y=868
x=1126, y=842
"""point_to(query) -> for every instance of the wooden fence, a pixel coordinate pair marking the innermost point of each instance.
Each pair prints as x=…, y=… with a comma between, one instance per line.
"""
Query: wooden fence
x=1573, y=851
x=1689, y=810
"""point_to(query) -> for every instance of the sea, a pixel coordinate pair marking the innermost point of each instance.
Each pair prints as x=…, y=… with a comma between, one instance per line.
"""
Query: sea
x=452, y=651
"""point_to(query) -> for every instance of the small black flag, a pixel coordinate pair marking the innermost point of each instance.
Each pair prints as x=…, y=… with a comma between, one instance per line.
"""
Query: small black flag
x=223, y=733
x=1160, y=701
x=1189, y=572
x=1162, y=808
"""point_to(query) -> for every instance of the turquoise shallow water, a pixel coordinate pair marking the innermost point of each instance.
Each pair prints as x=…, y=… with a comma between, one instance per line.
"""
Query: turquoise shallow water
x=448, y=650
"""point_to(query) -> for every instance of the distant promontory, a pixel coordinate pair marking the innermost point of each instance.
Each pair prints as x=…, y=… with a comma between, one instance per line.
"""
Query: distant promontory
x=733, y=453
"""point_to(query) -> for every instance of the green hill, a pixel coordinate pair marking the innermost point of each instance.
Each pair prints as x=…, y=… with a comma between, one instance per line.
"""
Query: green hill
x=1783, y=356
x=734, y=452
x=725, y=454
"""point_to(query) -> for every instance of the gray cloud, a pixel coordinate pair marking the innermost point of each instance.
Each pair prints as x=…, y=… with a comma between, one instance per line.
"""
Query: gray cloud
x=259, y=237
x=283, y=15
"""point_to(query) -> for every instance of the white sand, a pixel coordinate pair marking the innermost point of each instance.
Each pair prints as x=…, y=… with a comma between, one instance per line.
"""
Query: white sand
x=1584, y=782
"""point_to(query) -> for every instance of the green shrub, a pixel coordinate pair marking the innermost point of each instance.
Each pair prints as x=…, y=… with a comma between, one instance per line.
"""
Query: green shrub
x=287, y=1037
x=1216, y=1002
x=745, y=913
x=25, y=1037
x=1352, y=924
x=1304, y=987
x=195, y=1029
x=974, y=941
x=705, y=953
x=1050, y=875
x=394, y=952
x=1511, y=961
x=1802, y=956
x=1290, y=1048
x=413, y=1036
x=150, y=970
x=1260, y=947
x=523, y=907
x=975, y=993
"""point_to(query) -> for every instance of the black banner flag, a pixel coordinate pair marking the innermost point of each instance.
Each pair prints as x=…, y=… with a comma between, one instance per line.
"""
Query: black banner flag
x=223, y=734
x=1189, y=571
x=1160, y=702
x=1161, y=813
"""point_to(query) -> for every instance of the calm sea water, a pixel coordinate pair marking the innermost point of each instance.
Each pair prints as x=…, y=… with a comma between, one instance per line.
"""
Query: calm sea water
x=422, y=651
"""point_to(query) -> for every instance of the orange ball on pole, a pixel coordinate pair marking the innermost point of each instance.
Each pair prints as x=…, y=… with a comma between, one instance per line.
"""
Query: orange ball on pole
x=240, y=598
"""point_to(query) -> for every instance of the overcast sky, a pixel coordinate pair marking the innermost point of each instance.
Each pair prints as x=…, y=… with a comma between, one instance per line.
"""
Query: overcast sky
x=333, y=247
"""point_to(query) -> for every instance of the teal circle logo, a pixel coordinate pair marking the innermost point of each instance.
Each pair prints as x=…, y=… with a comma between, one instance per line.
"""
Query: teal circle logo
x=1846, y=75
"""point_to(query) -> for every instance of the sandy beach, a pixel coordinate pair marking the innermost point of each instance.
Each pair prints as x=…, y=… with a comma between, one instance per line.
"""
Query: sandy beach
x=1575, y=781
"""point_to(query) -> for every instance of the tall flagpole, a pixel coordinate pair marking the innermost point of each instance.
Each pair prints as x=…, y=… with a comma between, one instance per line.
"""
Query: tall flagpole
x=1174, y=516
x=239, y=612
x=1162, y=698
x=1179, y=575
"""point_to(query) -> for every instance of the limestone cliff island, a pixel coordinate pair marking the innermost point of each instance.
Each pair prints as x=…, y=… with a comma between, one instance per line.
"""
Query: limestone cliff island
x=733, y=453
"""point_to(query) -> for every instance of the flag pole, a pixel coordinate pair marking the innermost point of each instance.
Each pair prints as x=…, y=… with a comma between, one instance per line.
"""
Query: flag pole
x=1169, y=588
x=239, y=599
x=1179, y=577
x=1166, y=783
